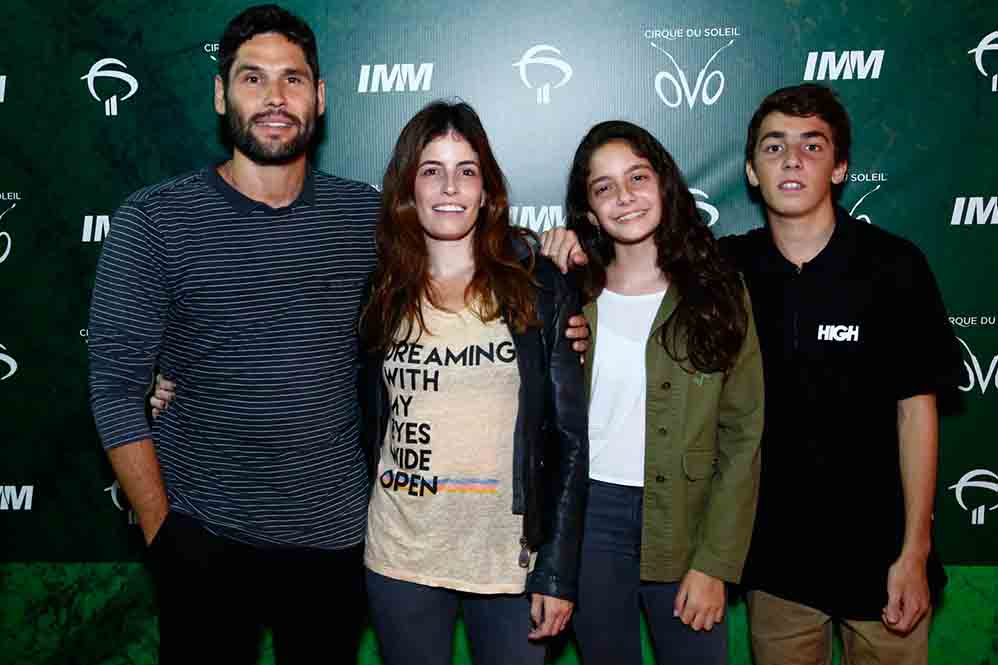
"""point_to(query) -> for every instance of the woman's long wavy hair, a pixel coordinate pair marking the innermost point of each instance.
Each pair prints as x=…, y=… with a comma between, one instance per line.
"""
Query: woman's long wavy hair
x=711, y=317
x=501, y=286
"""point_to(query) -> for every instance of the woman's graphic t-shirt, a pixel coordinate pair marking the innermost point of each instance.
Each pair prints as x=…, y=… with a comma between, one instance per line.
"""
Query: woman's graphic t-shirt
x=440, y=512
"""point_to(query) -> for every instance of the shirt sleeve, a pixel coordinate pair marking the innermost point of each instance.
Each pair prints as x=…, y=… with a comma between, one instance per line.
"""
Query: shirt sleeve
x=127, y=317
x=926, y=357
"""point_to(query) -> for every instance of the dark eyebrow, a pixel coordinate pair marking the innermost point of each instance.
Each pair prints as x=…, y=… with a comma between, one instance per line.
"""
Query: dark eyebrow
x=814, y=135
x=804, y=135
x=288, y=71
x=247, y=68
x=436, y=162
x=633, y=168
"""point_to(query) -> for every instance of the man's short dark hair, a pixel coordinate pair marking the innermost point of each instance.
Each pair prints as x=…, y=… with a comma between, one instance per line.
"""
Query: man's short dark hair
x=263, y=19
x=804, y=101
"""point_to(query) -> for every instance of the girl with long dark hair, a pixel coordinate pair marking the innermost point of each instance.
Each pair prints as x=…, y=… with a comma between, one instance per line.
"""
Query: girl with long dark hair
x=675, y=409
x=475, y=410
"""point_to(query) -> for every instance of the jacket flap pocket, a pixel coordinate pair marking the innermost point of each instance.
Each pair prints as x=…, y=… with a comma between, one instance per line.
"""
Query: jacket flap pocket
x=698, y=465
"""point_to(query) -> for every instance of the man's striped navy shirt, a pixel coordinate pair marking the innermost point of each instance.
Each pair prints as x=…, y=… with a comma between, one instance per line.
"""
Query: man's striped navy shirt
x=253, y=312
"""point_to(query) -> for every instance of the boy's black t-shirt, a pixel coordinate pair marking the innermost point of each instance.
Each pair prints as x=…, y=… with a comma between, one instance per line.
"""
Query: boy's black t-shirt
x=856, y=329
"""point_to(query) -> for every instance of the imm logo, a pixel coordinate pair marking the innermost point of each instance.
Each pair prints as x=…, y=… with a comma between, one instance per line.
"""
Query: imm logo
x=532, y=57
x=986, y=44
x=97, y=71
x=9, y=362
x=537, y=218
x=845, y=65
x=977, y=377
x=13, y=497
x=833, y=333
x=971, y=210
x=679, y=89
x=96, y=227
x=980, y=479
x=400, y=78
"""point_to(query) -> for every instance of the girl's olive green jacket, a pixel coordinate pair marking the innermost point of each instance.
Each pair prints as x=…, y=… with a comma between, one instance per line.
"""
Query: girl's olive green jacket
x=702, y=460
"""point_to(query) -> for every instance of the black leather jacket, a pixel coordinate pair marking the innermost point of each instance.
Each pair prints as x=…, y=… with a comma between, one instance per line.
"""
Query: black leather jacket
x=551, y=441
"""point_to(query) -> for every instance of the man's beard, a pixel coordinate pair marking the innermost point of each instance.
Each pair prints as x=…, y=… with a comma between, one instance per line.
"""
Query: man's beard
x=241, y=135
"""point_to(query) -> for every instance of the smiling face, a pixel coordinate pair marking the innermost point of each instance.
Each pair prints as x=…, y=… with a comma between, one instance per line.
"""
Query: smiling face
x=448, y=188
x=623, y=193
x=793, y=165
x=271, y=102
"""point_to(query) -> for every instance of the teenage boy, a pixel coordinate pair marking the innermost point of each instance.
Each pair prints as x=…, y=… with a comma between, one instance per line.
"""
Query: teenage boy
x=856, y=346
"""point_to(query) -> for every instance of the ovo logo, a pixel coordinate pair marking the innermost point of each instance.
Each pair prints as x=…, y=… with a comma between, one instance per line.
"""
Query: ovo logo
x=865, y=218
x=98, y=71
x=680, y=88
x=530, y=57
x=5, y=237
x=976, y=376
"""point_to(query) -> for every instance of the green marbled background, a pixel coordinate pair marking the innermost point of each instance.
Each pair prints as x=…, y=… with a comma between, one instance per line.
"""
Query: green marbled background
x=70, y=591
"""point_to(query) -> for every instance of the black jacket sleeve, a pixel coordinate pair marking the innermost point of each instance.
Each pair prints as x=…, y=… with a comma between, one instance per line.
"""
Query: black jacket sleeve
x=565, y=439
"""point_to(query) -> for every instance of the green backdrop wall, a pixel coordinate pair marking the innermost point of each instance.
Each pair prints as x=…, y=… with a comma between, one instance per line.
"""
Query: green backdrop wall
x=81, y=132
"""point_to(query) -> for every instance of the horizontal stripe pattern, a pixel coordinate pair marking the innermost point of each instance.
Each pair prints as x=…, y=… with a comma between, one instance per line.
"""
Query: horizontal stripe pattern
x=253, y=311
x=469, y=485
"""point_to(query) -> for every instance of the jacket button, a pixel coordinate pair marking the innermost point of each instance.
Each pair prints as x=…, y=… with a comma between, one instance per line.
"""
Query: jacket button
x=666, y=385
x=660, y=478
x=663, y=431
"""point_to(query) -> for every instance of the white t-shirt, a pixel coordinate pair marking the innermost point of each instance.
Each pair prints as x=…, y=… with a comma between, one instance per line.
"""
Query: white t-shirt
x=617, y=402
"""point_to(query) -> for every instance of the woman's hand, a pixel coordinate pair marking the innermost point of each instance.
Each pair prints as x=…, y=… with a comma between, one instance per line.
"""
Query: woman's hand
x=163, y=393
x=700, y=601
x=549, y=615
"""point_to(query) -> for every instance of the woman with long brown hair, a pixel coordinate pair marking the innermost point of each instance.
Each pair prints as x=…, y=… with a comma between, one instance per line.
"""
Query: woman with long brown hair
x=675, y=407
x=474, y=410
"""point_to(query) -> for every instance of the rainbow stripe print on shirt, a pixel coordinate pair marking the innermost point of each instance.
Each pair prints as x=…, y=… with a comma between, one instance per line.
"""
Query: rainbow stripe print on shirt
x=469, y=485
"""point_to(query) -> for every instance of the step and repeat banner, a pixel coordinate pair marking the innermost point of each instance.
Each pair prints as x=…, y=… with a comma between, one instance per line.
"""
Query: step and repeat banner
x=100, y=98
